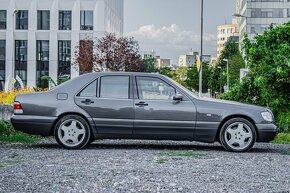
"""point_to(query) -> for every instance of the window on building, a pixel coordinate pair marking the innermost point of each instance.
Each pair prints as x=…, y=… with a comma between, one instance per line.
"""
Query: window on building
x=150, y=88
x=2, y=63
x=267, y=13
x=114, y=87
x=65, y=20
x=21, y=60
x=21, y=19
x=3, y=19
x=43, y=20
x=87, y=20
x=64, y=59
x=42, y=62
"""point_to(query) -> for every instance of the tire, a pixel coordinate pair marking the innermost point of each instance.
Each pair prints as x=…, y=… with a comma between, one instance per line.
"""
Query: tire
x=238, y=135
x=72, y=132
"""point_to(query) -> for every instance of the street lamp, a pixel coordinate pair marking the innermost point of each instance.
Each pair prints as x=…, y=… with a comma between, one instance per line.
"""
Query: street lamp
x=228, y=80
x=242, y=16
x=201, y=49
x=220, y=68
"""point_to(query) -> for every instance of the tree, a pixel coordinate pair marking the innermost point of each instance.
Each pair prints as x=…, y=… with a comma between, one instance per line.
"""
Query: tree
x=109, y=53
x=218, y=73
x=150, y=64
x=268, y=81
x=84, y=56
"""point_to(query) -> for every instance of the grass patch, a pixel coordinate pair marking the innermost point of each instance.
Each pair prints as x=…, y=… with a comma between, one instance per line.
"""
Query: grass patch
x=282, y=138
x=182, y=154
x=9, y=135
x=161, y=161
x=19, y=138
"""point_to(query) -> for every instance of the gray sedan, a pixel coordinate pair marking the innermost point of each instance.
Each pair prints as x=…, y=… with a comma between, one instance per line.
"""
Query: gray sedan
x=125, y=105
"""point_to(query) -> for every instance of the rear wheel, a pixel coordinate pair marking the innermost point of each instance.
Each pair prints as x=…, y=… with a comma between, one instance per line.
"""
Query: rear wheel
x=238, y=135
x=72, y=132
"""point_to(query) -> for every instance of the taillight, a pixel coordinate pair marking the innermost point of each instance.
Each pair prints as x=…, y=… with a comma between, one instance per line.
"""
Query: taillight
x=17, y=108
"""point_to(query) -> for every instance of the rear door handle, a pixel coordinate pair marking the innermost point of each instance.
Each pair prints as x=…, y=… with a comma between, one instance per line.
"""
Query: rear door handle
x=141, y=104
x=87, y=101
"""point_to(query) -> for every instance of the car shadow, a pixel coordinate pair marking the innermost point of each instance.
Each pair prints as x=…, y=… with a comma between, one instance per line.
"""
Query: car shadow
x=154, y=146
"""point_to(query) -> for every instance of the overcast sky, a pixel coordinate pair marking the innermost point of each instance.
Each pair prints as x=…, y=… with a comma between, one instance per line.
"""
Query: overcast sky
x=172, y=27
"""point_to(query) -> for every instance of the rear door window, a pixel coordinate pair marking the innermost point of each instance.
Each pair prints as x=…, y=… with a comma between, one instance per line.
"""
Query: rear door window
x=114, y=87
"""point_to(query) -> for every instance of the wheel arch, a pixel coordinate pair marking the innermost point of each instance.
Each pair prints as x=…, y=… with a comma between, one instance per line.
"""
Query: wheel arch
x=232, y=117
x=65, y=114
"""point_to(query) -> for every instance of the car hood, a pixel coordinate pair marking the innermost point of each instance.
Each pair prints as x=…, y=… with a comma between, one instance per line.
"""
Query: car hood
x=233, y=103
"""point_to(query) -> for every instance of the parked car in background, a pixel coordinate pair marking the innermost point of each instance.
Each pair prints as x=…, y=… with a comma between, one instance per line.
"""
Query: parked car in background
x=124, y=105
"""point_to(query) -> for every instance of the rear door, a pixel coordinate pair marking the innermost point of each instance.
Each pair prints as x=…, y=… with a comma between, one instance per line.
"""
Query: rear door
x=109, y=102
x=157, y=115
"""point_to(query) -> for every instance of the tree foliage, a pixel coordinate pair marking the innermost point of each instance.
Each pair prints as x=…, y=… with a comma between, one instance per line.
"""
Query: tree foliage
x=109, y=53
x=218, y=73
x=268, y=81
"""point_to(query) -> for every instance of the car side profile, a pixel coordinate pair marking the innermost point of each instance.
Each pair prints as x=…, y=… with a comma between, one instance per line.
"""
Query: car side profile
x=125, y=105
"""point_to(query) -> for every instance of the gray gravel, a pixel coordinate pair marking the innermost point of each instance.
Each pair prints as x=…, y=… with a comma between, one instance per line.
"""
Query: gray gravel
x=143, y=166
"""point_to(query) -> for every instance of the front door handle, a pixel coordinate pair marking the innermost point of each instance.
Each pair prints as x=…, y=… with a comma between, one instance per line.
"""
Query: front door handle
x=87, y=101
x=141, y=104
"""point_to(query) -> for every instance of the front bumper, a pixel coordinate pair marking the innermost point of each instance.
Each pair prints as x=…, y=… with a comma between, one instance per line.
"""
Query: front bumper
x=35, y=125
x=266, y=132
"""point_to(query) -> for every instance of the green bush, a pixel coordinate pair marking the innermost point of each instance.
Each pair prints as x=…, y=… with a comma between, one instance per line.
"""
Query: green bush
x=6, y=128
x=9, y=134
x=282, y=138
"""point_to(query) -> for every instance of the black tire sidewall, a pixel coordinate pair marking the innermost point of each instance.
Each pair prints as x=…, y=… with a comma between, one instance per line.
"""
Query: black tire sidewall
x=87, y=131
x=228, y=123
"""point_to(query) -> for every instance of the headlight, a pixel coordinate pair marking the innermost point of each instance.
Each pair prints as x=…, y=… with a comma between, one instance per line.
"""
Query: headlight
x=267, y=116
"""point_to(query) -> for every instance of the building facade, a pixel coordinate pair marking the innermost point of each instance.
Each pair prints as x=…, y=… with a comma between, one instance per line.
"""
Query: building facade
x=37, y=38
x=188, y=60
x=255, y=16
x=224, y=33
x=161, y=62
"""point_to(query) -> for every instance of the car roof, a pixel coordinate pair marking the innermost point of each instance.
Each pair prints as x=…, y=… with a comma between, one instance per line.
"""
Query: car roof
x=123, y=73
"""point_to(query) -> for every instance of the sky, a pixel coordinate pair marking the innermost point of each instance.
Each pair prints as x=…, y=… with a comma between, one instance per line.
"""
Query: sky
x=172, y=27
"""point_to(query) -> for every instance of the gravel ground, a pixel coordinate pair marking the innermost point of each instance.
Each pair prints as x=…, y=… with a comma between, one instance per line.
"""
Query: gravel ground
x=143, y=166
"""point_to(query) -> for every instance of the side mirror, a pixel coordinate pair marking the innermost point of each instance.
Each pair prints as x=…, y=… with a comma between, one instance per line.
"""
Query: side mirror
x=177, y=97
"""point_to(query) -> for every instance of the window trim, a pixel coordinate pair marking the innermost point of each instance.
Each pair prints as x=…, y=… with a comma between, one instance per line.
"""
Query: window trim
x=137, y=88
x=129, y=88
x=86, y=86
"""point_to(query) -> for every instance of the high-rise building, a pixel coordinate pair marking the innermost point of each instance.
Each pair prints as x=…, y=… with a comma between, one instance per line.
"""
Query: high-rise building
x=224, y=33
x=38, y=37
x=255, y=16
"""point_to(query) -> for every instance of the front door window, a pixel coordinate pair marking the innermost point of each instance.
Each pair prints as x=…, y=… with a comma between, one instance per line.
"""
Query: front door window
x=150, y=88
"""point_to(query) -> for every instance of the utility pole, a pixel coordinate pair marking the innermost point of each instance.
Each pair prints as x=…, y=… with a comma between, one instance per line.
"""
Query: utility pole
x=201, y=50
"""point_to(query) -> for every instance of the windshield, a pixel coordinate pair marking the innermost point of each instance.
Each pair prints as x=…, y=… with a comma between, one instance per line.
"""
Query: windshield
x=193, y=94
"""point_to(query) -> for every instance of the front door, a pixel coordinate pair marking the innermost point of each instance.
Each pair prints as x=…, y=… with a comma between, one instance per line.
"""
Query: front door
x=112, y=108
x=157, y=115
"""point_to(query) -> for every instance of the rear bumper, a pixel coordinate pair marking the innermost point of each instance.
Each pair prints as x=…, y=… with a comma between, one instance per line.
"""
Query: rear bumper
x=266, y=132
x=35, y=125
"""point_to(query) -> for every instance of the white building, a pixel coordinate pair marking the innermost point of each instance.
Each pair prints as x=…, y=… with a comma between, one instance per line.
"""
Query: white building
x=161, y=62
x=255, y=16
x=188, y=60
x=148, y=54
x=224, y=33
x=38, y=37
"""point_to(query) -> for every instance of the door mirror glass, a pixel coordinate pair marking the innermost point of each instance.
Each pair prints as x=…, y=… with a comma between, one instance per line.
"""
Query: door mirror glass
x=177, y=97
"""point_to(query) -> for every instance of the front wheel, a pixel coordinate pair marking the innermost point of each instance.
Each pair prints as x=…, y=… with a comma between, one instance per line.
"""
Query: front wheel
x=72, y=132
x=238, y=135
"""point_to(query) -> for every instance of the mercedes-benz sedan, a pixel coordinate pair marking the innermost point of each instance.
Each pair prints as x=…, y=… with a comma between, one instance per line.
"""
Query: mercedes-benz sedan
x=138, y=106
